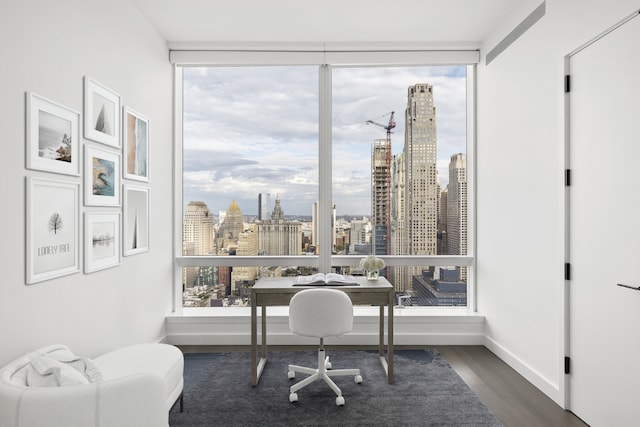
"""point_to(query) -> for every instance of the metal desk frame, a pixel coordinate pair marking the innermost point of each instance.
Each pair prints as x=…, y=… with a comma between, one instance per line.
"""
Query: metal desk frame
x=278, y=291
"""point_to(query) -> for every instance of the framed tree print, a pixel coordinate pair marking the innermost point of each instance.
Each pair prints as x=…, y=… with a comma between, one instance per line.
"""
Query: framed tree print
x=136, y=145
x=101, y=240
x=53, y=136
x=53, y=239
x=101, y=177
x=136, y=220
x=101, y=113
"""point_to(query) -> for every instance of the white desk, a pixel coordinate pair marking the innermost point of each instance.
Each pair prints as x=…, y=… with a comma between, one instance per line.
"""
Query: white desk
x=277, y=291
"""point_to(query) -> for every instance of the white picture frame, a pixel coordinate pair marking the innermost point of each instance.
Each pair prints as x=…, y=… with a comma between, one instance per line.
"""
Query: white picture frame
x=53, y=229
x=101, y=177
x=101, y=240
x=135, y=228
x=135, y=137
x=53, y=136
x=102, y=115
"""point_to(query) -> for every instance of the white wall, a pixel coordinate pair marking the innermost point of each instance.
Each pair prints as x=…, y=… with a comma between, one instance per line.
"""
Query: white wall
x=520, y=189
x=47, y=47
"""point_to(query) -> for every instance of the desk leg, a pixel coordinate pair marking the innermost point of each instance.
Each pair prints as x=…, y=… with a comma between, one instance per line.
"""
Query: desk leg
x=387, y=361
x=381, y=333
x=254, y=344
x=263, y=352
x=390, y=339
x=257, y=367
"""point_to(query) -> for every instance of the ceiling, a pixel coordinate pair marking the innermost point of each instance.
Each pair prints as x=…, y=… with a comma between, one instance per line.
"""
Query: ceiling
x=433, y=22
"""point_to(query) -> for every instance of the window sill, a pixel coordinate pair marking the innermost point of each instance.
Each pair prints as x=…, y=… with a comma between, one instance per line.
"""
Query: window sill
x=412, y=326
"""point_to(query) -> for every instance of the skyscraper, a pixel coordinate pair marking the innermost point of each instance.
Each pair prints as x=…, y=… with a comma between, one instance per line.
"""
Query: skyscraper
x=233, y=225
x=197, y=228
x=398, y=275
x=381, y=195
x=277, y=236
x=197, y=237
x=422, y=188
x=457, y=209
x=247, y=246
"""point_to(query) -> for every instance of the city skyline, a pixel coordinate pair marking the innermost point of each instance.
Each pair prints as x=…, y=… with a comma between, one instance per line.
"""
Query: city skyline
x=220, y=162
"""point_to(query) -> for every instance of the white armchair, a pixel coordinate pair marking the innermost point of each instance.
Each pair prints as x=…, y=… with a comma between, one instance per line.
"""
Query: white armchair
x=138, y=386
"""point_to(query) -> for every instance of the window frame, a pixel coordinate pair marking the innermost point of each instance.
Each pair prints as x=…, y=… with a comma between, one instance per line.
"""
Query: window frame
x=326, y=58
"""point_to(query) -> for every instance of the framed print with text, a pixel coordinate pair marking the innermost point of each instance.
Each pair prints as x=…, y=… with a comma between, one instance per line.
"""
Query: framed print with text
x=136, y=220
x=101, y=177
x=102, y=108
x=53, y=229
x=101, y=240
x=53, y=136
x=136, y=145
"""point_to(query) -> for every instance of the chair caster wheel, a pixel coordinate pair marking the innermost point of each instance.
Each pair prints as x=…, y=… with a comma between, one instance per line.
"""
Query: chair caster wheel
x=358, y=379
x=291, y=375
x=339, y=401
x=293, y=397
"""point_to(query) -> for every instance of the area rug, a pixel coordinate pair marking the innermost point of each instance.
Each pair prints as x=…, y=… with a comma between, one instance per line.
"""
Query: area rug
x=426, y=392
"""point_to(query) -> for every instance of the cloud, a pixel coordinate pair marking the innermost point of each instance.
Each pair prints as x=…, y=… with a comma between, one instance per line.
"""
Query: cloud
x=255, y=130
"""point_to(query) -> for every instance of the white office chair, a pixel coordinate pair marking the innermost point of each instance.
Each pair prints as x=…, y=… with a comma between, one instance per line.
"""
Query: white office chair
x=320, y=313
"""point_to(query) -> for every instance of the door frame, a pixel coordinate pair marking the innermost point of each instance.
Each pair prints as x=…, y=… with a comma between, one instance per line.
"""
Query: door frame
x=565, y=384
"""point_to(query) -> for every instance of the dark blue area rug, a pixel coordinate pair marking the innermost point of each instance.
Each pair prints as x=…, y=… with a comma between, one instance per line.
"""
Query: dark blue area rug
x=426, y=392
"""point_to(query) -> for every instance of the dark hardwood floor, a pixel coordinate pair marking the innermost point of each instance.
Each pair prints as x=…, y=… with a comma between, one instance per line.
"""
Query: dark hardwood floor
x=514, y=400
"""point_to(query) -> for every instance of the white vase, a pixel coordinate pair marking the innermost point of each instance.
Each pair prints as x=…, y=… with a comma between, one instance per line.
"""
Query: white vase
x=372, y=274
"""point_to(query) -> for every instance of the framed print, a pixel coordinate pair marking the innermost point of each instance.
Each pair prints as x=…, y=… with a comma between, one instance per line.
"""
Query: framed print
x=136, y=145
x=101, y=113
x=101, y=240
x=53, y=240
x=101, y=177
x=53, y=136
x=136, y=220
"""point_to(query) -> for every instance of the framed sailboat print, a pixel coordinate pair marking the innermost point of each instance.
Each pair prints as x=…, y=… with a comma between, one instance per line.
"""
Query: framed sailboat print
x=101, y=113
x=136, y=220
x=53, y=136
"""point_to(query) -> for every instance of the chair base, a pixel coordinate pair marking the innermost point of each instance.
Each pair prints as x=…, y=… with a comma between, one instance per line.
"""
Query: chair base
x=322, y=372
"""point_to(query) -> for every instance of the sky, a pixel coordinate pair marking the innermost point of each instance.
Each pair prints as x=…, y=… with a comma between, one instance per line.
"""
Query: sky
x=251, y=130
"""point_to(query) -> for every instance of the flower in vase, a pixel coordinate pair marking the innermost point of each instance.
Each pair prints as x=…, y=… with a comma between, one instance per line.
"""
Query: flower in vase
x=372, y=263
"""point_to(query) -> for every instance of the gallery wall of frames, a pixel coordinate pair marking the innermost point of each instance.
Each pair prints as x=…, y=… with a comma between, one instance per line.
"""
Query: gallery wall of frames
x=92, y=202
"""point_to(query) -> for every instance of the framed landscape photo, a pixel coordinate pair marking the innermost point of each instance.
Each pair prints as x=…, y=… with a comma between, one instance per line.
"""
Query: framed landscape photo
x=101, y=113
x=53, y=136
x=101, y=177
x=53, y=229
x=101, y=240
x=136, y=145
x=136, y=220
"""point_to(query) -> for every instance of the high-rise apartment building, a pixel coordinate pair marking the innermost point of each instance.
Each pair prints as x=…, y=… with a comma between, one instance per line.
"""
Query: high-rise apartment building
x=197, y=237
x=398, y=275
x=247, y=246
x=421, y=176
x=381, y=195
x=457, y=209
x=233, y=226
x=442, y=222
x=264, y=205
x=197, y=228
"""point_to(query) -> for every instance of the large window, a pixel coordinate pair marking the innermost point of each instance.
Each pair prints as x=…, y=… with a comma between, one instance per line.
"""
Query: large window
x=254, y=186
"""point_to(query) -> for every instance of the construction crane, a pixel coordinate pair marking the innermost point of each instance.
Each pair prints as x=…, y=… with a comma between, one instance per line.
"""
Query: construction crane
x=388, y=127
x=381, y=190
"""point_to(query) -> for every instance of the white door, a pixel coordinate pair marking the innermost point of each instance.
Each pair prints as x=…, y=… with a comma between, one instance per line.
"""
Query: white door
x=604, y=229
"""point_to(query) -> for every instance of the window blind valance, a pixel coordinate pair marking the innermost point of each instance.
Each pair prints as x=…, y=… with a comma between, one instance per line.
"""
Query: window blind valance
x=311, y=54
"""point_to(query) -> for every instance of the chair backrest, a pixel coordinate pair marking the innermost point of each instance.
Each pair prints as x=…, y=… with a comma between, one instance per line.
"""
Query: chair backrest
x=321, y=312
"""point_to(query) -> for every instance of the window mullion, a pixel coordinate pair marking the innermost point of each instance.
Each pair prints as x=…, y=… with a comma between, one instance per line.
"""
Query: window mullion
x=325, y=168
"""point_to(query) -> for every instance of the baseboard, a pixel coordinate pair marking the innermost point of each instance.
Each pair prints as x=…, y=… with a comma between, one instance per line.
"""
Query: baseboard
x=539, y=381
